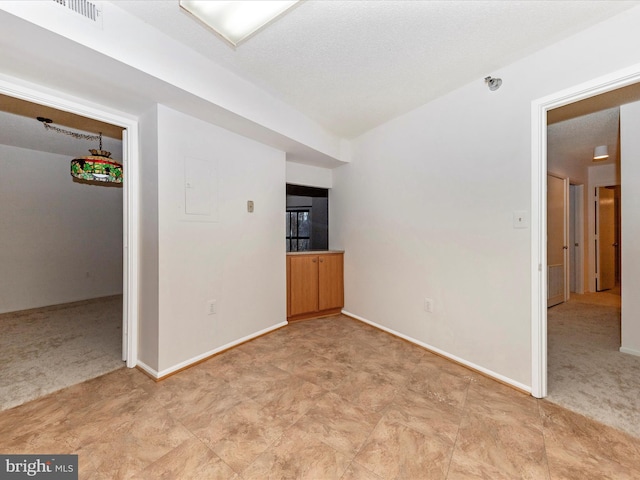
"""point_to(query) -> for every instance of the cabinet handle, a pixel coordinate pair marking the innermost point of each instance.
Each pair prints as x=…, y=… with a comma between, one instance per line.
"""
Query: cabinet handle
x=322, y=260
x=314, y=260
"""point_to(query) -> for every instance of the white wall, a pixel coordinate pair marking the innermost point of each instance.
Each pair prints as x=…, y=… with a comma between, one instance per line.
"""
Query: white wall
x=425, y=208
x=60, y=241
x=148, y=273
x=630, y=167
x=310, y=176
x=206, y=89
x=234, y=257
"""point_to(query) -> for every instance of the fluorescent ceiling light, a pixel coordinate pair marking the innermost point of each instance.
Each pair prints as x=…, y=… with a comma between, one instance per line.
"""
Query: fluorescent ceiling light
x=236, y=21
x=601, y=152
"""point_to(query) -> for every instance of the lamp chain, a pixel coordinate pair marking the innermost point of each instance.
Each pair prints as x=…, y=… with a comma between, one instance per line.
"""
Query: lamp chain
x=83, y=136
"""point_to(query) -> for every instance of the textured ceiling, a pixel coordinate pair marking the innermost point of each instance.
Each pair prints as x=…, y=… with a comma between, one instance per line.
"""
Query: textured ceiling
x=570, y=142
x=19, y=128
x=352, y=65
x=59, y=118
x=576, y=129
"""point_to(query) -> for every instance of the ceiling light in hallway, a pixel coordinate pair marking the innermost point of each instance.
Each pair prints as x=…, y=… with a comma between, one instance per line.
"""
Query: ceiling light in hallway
x=601, y=152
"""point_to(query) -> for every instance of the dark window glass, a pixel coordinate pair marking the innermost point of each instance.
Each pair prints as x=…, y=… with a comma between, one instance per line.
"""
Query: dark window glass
x=307, y=220
x=298, y=230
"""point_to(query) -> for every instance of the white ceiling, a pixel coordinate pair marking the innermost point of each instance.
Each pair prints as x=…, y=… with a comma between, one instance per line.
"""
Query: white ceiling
x=352, y=65
x=570, y=143
x=26, y=132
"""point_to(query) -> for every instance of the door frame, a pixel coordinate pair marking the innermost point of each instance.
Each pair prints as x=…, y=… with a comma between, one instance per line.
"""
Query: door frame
x=539, y=109
x=16, y=88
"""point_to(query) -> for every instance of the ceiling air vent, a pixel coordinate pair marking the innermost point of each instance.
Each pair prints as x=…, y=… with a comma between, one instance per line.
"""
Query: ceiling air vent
x=89, y=10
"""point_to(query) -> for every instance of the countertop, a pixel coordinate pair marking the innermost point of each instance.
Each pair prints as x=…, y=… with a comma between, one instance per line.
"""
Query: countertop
x=315, y=252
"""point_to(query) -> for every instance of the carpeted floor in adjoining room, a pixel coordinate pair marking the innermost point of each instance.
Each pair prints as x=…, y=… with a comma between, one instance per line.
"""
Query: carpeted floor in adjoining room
x=46, y=349
x=586, y=371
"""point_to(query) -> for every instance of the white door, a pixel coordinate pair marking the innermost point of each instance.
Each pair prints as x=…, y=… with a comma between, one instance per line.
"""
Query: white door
x=605, y=239
x=557, y=238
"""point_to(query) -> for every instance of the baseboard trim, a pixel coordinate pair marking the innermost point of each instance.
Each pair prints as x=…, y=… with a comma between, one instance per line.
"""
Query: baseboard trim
x=70, y=303
x=146, y=369
x=471, y=366
x=167, y=372
x=630, y=351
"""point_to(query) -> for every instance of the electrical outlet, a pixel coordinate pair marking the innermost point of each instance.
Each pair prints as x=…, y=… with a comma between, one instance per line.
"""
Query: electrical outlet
x=212, y=307
x=428, y=305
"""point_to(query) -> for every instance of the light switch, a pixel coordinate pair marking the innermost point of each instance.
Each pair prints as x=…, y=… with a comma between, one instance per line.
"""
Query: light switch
x=250, y=206
x=520, y=219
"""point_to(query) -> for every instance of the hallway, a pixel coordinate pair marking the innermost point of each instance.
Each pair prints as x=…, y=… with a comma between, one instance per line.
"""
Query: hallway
x=586, y=371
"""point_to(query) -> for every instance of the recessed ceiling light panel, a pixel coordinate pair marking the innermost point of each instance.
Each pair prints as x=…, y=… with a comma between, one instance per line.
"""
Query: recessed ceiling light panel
x=236, y=21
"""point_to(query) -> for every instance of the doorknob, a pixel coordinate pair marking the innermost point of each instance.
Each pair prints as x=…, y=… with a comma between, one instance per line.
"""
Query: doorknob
x=564, y=247
x=614, y=244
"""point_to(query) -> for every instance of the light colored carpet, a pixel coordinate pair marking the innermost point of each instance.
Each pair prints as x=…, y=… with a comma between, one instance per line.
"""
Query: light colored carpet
x=586, y=371
x=47, y=349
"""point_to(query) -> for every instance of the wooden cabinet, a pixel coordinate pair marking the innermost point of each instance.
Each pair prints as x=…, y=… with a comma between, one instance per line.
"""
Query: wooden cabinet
x=330, y=281
x=303, y=286
x=315, y=285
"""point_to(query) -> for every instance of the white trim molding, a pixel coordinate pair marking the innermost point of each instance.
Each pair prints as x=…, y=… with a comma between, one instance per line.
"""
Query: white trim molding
x=17, y=88
x=539, y=109
x=152, y=372
x=630, y=351
x=204, y=356
x=442, y=353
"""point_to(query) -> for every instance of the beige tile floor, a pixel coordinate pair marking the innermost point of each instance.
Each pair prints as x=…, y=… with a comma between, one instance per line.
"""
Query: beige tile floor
x=320, y=399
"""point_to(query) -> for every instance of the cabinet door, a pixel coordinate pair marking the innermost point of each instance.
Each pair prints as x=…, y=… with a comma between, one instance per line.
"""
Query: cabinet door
x=303, y=284
x=330, y=279
x=288, y=286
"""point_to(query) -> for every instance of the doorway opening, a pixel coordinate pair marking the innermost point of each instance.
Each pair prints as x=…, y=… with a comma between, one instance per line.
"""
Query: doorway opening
x=625, y=84
x=588, y=351
x=129, y=210
x=61, y=291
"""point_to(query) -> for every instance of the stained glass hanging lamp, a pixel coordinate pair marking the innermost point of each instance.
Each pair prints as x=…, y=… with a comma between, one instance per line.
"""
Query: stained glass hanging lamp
x=98, y=167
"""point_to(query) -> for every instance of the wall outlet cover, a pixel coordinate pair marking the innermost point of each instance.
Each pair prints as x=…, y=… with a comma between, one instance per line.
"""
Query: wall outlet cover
x=428, y=305
x=212, y=307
